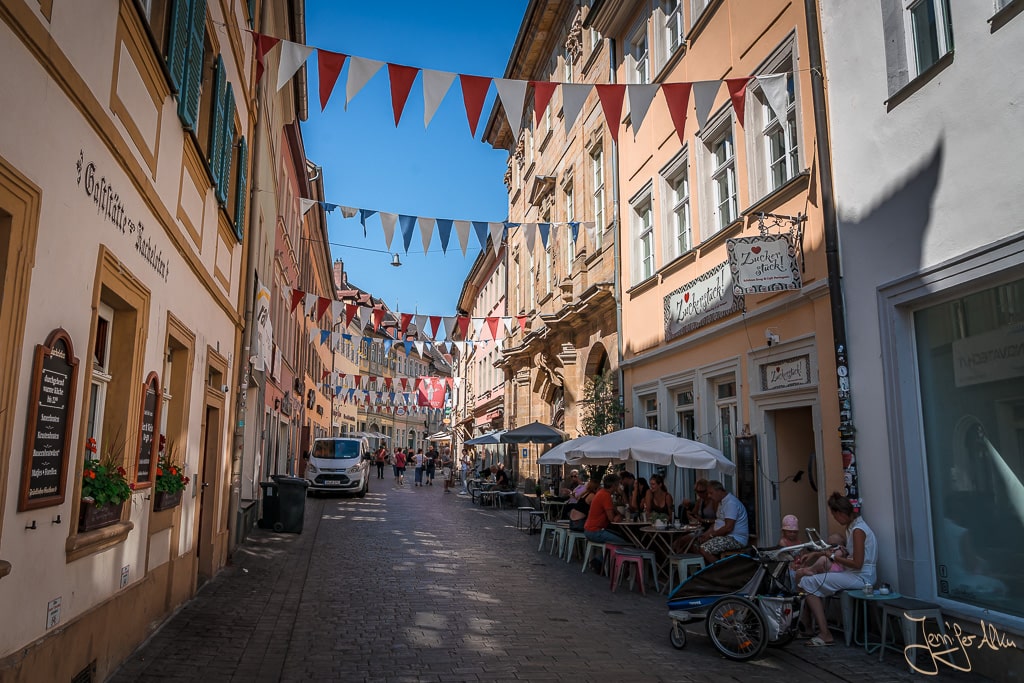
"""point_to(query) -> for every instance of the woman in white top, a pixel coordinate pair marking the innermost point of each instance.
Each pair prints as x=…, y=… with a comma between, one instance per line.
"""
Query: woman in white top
x=858, y=564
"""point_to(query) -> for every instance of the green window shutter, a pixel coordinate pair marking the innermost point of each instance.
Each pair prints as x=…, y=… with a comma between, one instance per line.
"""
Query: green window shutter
x=188, y=96
x=177, y=55
x=217, y=118
x=252, y=13
x=227, y=144
x=240, y=178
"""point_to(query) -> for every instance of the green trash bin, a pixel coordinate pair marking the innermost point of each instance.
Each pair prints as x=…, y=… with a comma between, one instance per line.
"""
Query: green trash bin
x=291, y=503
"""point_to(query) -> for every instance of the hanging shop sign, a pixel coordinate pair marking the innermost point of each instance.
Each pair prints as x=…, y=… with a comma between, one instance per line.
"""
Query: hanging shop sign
x=791, y=372
x=48, y=427
x=766, y=263
x=148, y=429
x=701, y=301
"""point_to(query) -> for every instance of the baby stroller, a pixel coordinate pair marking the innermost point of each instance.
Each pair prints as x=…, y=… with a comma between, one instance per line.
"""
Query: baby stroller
x=747, y=601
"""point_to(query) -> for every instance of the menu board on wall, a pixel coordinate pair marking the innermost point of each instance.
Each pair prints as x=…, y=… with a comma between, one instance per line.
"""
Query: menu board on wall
x=48, y=426
x=148, y=430
x=746, y=477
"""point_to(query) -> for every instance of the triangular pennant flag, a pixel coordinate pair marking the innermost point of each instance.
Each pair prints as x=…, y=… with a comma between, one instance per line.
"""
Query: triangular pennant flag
x=297, y=296
x=611, y=95
x=364, y=320
x=544, y=229
x=521, y=319
x=449, y=326
x=507, y=321
x=574, y=96
x=497, y=232
x=363, y=215
x=481, y=232
x=309, y=302
x=462, y=230
x=322, y=304
x=359, y=381
x=462, y=322
x=360, y=71
x=329, y=207
x=478, y=324
x=401, y=83
x=387, y=222
x=324, y=336
x=677, y=97
x=408, y=347
x=435, y=323
x=337, y=310
x=293, y=56
x=492, y=325
x=313, y=334
x=542, y=92
x=405, y=384
x=426, y=232
x=574, y=230
x=403, y=322
x=776, y=90
x=350, y=312
x=264, y=44
x=737, y=93
x=640, y=98
x=435, y=87
x=474, y=92
x=704, y=93
x=408, y=224
x=378, y=318
x=444, y=231
x=349, y=212
x=419, y=347
x=387, y=349
x=328, y=65
x=306, y=204
x=530, y=233
x=513, y=99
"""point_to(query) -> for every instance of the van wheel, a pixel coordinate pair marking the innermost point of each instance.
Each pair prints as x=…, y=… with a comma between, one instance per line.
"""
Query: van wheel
x=362, y=492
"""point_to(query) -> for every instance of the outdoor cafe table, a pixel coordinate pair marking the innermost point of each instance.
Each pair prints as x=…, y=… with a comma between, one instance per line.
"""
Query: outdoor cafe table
x=660, y=540
x=632, y=532
x=553, y=508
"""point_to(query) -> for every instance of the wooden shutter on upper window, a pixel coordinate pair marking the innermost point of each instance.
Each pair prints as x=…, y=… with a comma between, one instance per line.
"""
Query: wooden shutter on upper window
x=188, y=97
x=227, y=145
x=217, y=118
x=177, y=54
x=240, y=178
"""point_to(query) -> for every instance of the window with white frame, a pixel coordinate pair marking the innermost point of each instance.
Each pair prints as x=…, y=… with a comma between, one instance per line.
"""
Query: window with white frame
x=101, y=377
x=597, y=174
x=570, y=215
x=639, y=56
x=649, y=404
x=566, y=66
x=531, y=276
x=725, y=404
x=929, y=32
x=518, y=290
x=685, y=423
x=676, y=189
x=672, y=11
x=697, y=8
x=548, y=265
x=643, y=242
x=720, y=156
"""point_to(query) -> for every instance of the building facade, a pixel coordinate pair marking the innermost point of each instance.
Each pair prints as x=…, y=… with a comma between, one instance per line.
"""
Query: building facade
x=123, y=214
x=750, y=372
x=932, y=252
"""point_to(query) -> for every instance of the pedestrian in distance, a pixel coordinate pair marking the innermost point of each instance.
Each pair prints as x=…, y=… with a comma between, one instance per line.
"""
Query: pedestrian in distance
x=400, y=461
x=418, y=463
x=446, y=470
x=381, y=459
x=431, y=466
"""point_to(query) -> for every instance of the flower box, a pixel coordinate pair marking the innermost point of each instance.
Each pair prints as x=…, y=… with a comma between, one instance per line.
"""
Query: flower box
x=92, y=517
x=162, y=500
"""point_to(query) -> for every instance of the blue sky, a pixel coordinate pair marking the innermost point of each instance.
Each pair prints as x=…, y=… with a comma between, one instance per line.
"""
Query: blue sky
x=440, y=172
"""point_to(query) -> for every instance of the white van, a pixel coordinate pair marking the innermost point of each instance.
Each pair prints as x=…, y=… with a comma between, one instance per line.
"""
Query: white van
x=339, y=464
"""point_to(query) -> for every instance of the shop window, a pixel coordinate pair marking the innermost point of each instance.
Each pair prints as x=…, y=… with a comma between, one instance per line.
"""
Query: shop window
x=972, y=406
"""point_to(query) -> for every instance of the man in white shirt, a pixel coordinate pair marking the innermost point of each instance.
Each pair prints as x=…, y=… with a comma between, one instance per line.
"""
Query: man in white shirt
x=730, y=530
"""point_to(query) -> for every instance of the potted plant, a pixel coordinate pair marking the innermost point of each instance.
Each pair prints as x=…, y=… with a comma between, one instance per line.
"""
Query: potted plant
x=170, y=479
x=105, y=488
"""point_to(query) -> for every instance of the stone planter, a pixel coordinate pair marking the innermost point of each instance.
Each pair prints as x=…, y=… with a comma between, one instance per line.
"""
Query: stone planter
x=92, y=517
x=165, y=501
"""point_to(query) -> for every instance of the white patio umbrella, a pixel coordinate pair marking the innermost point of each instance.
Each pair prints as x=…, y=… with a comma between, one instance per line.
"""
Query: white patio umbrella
x=651, y=446
x=556, y=456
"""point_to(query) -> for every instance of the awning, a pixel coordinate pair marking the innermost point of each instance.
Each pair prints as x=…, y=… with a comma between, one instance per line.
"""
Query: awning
x=440, y=436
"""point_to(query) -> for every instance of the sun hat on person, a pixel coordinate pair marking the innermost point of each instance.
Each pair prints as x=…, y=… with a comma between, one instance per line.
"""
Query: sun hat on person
x=790, y=523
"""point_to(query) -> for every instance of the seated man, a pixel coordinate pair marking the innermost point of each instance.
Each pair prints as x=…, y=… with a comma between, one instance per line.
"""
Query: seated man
x=730, y=531
x=602, y=514
x=501, y=478
x=572, y=486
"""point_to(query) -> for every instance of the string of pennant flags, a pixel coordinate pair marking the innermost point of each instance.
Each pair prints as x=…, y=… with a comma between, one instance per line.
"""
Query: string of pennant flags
x=513, y=92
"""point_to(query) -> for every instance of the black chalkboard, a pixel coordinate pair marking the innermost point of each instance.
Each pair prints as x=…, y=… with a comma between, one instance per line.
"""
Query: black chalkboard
x=746, y=477
x=48, y=427
x=148, y=429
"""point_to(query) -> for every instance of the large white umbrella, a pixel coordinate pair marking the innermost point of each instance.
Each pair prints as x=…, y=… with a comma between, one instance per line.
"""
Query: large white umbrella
x=651, y=446
x=556, y=456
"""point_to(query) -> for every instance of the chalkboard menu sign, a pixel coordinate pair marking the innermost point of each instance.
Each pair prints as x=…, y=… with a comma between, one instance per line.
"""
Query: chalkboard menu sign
x=148, y=431
x=746, y=477
x=48, y=426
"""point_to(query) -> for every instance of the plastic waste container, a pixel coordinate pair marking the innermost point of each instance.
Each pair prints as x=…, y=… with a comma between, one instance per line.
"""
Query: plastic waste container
x=271, y=518
x=291, y=503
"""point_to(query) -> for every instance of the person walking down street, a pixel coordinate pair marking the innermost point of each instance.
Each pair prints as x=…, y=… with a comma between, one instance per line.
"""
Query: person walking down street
x=418, y=462
x=382, y=458
x=400, y=461
x=431, y=466
x=446, y=470
x=465, y=473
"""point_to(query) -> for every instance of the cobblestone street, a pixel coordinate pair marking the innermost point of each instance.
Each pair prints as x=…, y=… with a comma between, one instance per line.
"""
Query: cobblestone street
x=410, y=584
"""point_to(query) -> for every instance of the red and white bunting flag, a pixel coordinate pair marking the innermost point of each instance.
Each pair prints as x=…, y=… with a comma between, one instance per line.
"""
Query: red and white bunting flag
x=309, y=302
x=426, y=232
x=350, y=312
x=521, y=319
x=449, y=326
x=462, y=230
x=404, y=382
x=435, y=86
x=640, y=97
x=337, y=310
x=360, y=71
x=738, y=93
x=378, y=318
x=497, y=232
x=611, y=96
x=435, y=323
x=328, y=65
x=401, y=83
x=388, y=222
x=508, y=324
x=530, y=235
x=704, y=94
x=513, y=99
x=463, y=325
x=293, y=56
x=364, y=316
x=419, y=347
x=574, y=96
x=677, y=97
x=403, y=322
x=297, y=296
x=421, y=325
x=492, y=325
x=542, y=92
x=776, y=92
x=314, y=335
x=387, y=383
x=474, y=92
x=478, y=324
x=264, y=44
x=322, y=304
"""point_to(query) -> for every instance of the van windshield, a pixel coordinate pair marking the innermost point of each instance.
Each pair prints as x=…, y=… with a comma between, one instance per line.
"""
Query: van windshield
x=335, y=450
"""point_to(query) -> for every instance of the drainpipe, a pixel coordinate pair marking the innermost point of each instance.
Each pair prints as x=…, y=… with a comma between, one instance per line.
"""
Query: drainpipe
x=831, y=227
x=615, y=231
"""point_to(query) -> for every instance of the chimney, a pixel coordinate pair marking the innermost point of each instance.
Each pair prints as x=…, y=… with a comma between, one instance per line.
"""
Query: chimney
x=340, y=279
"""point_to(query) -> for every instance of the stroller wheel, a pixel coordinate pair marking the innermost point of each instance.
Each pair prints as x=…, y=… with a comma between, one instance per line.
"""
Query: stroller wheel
x=677, y=636
x=736, y=628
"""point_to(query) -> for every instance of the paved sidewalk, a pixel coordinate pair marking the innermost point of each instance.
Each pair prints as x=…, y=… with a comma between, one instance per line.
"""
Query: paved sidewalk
x=410, y=584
